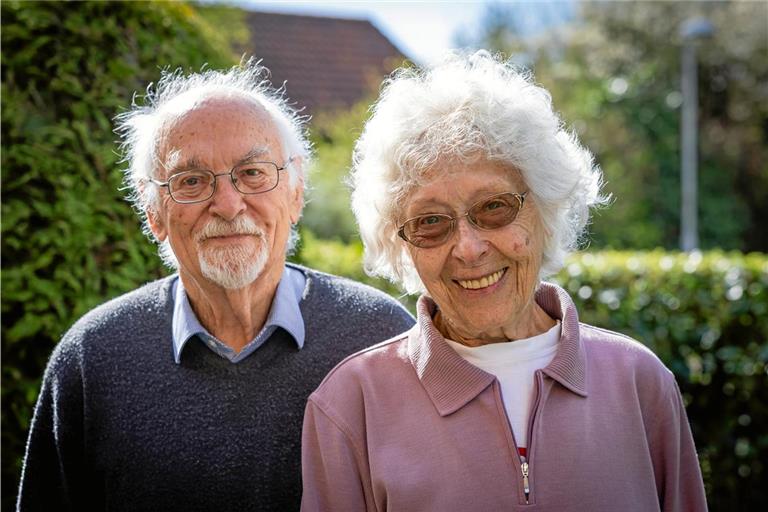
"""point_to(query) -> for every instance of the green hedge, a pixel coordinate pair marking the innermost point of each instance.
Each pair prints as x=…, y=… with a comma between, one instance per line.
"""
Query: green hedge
x=69, y=240
x=704, y=315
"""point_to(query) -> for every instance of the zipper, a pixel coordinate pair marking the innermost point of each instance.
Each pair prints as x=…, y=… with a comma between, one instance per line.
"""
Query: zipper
x=526, y=483
x=525, y=468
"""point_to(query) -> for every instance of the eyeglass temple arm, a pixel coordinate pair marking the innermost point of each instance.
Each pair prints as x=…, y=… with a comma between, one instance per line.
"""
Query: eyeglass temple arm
x=157, y=182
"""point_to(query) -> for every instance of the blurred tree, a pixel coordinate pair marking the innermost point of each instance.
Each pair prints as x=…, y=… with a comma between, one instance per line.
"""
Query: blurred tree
x=333, y=134
x=615, y=73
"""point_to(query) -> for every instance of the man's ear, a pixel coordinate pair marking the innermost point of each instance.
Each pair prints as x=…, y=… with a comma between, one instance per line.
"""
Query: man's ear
x=156, y=224
x=297, y=194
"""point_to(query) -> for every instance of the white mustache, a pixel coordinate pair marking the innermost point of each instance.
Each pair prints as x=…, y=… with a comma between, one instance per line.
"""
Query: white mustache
x=220, y=227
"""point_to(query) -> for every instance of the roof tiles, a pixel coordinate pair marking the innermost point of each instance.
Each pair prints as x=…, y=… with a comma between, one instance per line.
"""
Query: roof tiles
x=325, y=63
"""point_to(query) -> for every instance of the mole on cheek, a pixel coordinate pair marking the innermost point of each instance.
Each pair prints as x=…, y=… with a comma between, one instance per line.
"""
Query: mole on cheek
x=527, y=241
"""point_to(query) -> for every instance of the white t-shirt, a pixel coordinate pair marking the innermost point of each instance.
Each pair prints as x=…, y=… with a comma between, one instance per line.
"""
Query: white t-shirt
x=514, y=363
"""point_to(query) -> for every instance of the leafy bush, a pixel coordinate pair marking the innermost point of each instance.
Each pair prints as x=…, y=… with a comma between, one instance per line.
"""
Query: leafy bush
x=704, y=315
x=327, y=213
x=69, y=240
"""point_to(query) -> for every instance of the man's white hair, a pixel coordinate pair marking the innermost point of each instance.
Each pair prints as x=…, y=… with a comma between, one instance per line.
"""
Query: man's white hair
x=140, y=129
x=466, y=107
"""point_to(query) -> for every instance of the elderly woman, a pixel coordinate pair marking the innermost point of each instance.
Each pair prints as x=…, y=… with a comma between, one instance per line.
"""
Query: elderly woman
x=467, y=188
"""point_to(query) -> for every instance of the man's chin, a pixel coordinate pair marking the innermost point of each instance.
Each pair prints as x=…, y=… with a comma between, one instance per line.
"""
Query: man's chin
x=229, y=278
x=233, y=271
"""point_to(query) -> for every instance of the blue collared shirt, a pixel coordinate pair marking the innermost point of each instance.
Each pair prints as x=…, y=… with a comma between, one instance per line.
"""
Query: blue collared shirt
x=284, y=313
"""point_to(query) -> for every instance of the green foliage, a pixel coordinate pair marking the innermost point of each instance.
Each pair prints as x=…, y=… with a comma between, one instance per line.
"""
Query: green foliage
x=69, y=239
x=333, y=135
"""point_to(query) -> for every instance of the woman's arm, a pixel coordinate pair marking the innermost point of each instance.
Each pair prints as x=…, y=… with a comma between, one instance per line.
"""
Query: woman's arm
x=334, y=469
x=678, y=475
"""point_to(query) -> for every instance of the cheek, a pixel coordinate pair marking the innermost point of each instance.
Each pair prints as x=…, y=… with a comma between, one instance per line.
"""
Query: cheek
x=177, y=219
x=424, y=261
x=430, y=270
x=185, y=221
x=520, y=244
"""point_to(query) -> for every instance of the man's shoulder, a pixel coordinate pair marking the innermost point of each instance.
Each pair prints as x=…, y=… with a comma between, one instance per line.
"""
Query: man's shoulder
x=98, y=334
x=341, y=293
x=129, y=310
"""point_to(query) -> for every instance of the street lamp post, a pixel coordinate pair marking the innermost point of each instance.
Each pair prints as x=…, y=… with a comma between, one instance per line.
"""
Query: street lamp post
x=690, y=31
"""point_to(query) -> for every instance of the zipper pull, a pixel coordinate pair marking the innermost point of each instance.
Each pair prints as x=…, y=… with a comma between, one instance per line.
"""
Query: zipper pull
x=526, y=484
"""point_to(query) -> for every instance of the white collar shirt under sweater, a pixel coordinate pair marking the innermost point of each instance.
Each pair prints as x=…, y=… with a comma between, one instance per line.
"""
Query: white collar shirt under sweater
x=514, y=364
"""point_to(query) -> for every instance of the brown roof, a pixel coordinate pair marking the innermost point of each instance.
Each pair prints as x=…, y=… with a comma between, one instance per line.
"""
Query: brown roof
x=325, y=62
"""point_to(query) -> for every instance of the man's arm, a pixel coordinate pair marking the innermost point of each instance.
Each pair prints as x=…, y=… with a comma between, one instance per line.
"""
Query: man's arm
x=53, y=472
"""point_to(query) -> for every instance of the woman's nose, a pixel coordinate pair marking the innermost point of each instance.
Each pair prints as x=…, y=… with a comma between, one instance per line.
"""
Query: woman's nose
x=470, y=243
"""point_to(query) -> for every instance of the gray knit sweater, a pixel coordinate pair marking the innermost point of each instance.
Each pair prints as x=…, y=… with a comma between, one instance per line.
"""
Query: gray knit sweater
x=120, y=426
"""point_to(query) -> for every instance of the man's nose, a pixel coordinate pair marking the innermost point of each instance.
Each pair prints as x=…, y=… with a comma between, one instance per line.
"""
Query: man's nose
x=227, y=202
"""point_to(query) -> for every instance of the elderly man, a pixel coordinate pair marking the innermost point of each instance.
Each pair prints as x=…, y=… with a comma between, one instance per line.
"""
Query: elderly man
x=188, y=393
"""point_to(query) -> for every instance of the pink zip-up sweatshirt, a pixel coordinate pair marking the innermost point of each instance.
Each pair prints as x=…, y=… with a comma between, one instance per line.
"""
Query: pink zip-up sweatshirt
x=408, y=425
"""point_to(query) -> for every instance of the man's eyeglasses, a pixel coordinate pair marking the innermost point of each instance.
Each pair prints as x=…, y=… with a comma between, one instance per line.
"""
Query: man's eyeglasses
x=433, y=229
x=196, y=185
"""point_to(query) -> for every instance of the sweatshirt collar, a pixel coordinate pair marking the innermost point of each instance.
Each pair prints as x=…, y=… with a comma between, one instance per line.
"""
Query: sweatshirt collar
x=451, y=382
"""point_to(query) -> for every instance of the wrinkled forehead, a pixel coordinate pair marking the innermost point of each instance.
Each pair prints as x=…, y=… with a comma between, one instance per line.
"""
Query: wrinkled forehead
x=439, y=182
x=214, y=125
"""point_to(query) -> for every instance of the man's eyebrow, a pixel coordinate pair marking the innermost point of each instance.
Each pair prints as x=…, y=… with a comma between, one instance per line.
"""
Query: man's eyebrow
x=175, y=165
x=258, y=152
x=189, y=165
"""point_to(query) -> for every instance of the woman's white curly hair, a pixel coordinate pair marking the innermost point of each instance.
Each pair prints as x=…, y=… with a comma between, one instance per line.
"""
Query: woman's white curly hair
x=140, y=128
x=467, y=106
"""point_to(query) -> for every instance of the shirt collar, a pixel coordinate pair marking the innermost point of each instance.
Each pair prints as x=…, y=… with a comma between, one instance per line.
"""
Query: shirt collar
x=451, y=381
x=285, y=312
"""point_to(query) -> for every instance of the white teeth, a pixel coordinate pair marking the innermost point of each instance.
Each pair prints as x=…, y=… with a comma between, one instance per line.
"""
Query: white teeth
x=484, y=282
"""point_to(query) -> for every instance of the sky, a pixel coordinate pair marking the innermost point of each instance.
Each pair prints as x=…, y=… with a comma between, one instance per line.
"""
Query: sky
x=422, y=30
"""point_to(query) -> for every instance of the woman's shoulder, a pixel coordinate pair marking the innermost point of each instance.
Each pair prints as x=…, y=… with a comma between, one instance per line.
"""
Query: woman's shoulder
x=370, y=364
x=618, y=356
x=383, y=367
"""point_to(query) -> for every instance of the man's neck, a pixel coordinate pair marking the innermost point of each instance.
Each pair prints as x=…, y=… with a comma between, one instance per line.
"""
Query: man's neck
x=236, y=316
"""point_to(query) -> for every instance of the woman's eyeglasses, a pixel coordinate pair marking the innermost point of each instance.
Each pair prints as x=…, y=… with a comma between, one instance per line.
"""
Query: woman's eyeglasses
x=433, y=229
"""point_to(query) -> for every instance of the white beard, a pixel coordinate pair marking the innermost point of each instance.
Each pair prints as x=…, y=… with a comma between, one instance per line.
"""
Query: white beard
x=232, y=267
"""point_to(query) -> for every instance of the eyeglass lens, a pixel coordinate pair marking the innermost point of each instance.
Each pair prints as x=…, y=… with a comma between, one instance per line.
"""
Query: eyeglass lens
x=432, y=230
x=199, y=185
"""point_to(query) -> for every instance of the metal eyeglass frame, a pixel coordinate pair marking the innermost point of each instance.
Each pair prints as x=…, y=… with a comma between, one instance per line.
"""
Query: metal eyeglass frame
x=231, y=175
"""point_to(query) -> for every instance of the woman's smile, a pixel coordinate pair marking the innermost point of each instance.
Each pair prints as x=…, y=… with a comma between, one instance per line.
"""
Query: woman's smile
x=481, y=283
